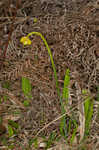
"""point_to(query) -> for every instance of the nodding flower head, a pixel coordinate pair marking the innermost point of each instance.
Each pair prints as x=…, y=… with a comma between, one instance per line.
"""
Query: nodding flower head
x=35, y=20
x=25, y=40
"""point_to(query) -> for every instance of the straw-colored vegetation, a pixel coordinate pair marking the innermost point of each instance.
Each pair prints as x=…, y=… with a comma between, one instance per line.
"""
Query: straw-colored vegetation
x=49, y=75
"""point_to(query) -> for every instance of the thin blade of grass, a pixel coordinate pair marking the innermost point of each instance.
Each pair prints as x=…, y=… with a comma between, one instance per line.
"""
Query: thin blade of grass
x=88, y=109
x=64, y=102
x=66, y=84
x=74, y=131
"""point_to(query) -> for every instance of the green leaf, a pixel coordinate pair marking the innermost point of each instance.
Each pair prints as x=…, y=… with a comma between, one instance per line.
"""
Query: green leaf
x=35, y=143
x=65, y=96
x=66, y=84
x=11, y=147
x=74, y=131
x=26, y=87
x=63, y=127
x=10, y=131
x=26, y=103
x=84, y=91
x=88, y=109
x=13, y=124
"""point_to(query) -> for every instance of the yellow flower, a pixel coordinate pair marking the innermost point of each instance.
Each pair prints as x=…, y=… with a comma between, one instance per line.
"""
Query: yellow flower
x=35, y=20
x=25, y=40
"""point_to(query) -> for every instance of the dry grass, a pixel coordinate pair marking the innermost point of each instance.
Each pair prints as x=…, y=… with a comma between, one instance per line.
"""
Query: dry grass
x=73, y=38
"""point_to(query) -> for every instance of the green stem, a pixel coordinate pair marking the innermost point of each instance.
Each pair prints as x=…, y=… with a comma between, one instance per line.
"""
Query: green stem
x=50, y=54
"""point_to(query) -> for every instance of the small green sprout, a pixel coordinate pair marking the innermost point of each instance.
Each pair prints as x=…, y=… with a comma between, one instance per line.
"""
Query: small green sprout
x=26, y=103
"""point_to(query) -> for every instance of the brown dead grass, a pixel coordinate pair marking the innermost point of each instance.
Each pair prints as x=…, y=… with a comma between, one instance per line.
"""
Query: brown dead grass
x=73, y=37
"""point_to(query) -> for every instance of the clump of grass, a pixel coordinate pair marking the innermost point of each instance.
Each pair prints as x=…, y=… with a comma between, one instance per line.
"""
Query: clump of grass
x=65, y=129
x=51, y=139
